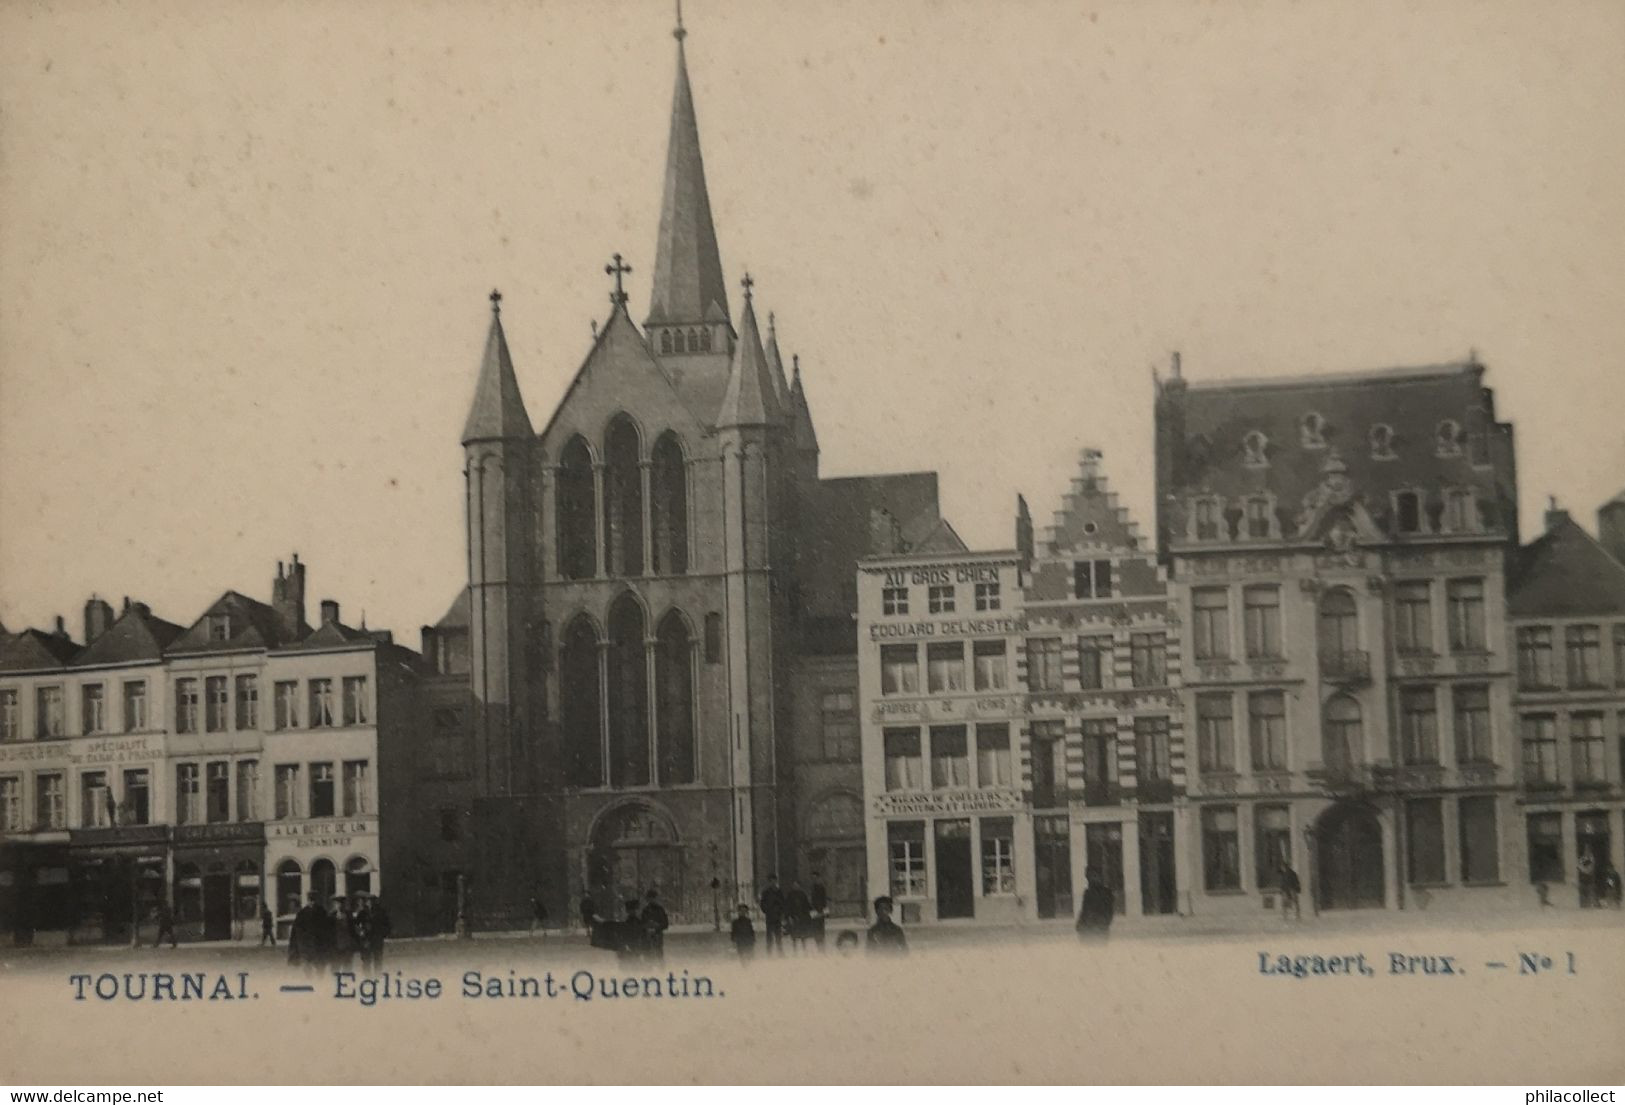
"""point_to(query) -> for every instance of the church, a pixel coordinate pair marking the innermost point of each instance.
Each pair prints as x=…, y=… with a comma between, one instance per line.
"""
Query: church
x=658, y=630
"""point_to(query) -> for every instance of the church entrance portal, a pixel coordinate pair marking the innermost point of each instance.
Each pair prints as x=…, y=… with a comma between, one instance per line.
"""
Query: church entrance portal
x=634, y=850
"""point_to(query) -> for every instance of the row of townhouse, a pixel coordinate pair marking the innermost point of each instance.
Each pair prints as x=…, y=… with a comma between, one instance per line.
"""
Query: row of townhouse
x=225, y=768
x=1336, y=658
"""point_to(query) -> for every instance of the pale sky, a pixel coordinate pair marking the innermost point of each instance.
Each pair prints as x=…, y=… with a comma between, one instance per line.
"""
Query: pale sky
x=245, y=248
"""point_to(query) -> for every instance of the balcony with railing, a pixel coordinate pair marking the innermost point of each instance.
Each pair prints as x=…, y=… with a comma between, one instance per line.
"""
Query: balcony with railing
x=1346, y=666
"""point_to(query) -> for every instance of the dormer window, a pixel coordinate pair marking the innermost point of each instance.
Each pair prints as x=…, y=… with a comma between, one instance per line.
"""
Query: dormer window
x=1447, y=438
x=1460, y=510
x=1258, y=516
x=1312, y=431
x=1382, y=442
x=219, y=627
x=1253, y=448
x=1407, y=512
x=1206, y=519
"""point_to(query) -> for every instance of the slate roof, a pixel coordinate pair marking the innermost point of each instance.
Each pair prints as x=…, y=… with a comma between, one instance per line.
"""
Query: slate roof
x=253, y=624
x=136, y=635
x=498, y=412
x=1565, y=573
x=942, y=539
x=751, y=399
x=332, y=635
x=1201, y=427
x=688, y=284
x=457, y=615
x=33, y=650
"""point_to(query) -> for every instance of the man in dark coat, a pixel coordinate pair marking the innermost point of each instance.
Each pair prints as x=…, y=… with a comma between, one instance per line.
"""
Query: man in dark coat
x=655, y=923
x=798, y=917
x=306, y=936
x=1099, y=907
x=373, y=930
x=885, y=935
x=772, y=903
x=631, y=941
x=166, y=924
x=820, y=909
x=598, y=930
x=267, y=926
x=1291, y=892
x=743, y=935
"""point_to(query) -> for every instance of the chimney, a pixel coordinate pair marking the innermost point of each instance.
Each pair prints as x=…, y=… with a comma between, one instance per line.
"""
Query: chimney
x=330, y=612
x=98, y=617
x=1555, y=515
x=288, y=598
x=61, y=629
x=1611, y=526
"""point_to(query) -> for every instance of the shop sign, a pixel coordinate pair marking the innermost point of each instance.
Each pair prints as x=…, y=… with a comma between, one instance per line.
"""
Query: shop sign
x=244, y=832
x=124, y=836
x=84, y=752
x=952, y=627
x=989, y=800
x=321, y=834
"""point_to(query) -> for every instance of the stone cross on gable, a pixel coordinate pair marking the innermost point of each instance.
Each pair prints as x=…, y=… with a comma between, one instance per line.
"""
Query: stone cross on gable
x=617, y=269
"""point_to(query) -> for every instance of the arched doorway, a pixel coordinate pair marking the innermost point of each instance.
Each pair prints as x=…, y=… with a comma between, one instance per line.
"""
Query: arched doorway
x=1348, y=858
x=634, y=850
x=323, y=881
x=357, y=877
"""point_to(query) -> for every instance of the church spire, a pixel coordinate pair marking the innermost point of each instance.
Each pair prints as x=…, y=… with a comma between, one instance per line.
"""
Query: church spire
x=688, y=286
x=801, y=423
x=750, y=399
x=498, y=412
x=775, y=365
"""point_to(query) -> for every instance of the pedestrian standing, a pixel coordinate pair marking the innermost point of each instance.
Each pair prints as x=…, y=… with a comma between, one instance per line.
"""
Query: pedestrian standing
x=305, y=936
x=885, y=935
x=166, y=924
x=743, y=935
x=378, y=929
x=630, y=937
x=798, y=917
x=1099, y=907
x=772, y=903
x=1291, y=892
x=344, y=936
x=655, y=923
x=820, y=909
x=267, y=926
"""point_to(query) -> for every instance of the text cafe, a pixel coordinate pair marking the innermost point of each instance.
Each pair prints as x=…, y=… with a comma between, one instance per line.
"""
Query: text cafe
x=323, y=856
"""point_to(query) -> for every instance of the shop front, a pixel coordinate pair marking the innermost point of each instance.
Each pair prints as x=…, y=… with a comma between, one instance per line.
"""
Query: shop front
x=117, y=875
x=328, y=857
x=36, y=894
x=962, y=855
x=218, y=880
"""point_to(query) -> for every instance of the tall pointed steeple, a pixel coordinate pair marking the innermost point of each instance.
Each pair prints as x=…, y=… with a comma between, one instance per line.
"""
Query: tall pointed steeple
x=801, y=423
x=775, y=364
x=498, y=412
x=750, y=399
x=688, y=286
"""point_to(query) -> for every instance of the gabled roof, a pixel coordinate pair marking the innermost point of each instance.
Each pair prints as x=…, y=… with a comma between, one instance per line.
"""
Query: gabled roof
x=837, y=530
x=332, y=635
x=1090, y=516
x=498, y=412
x=942, y=539
x=136, y=635
x=688, y=285
x=253, y=625
x=32, y=650
x=751, y=399
x=1565, y=573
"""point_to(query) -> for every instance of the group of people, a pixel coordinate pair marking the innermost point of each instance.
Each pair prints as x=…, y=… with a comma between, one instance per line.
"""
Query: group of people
x=330, y=935
x=639, y=935
x=795, y=913
x=783, y=914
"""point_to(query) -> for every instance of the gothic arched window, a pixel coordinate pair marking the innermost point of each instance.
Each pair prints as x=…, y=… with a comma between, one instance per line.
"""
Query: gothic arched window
x=668, y=507
x=1341, y=732
x=693, y=341
x=580, y=706
x=628, y=696
x=623, y=499
x=665, y=341
x=574, y=495
x=674, y=702
x=705, y=340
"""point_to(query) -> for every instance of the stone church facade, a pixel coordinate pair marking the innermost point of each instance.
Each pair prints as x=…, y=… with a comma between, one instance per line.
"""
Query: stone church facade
x=660, y=592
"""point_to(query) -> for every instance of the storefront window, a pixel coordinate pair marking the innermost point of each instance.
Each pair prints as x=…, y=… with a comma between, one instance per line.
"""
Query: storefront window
x=1545, y=847
x=905, y=843
x=289, y=888
x=1272, y=829
x=188, y=893
x=998, y=856
x=1221, y=848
